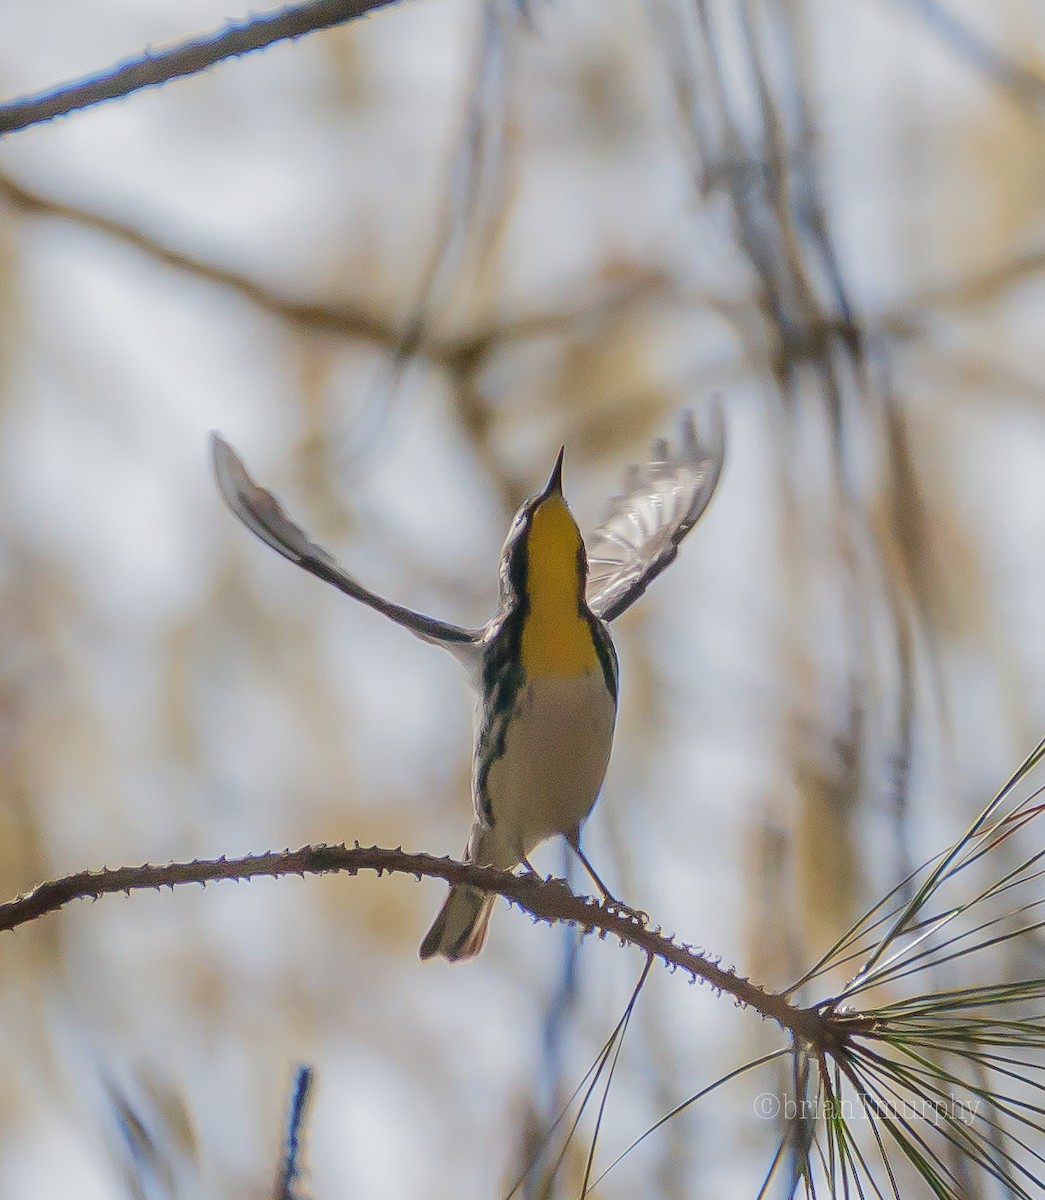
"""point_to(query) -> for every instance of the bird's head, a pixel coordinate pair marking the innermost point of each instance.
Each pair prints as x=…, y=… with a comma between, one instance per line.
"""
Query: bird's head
x=544, y=558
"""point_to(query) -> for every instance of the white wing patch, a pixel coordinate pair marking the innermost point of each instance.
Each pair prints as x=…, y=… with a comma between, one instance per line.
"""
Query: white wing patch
x=661, y=502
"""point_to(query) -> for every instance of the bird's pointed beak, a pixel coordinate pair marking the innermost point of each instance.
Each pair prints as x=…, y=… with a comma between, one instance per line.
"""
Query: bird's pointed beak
x=555, y=479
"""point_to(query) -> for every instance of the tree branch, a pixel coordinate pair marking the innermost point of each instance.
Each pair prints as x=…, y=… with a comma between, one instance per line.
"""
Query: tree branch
x=548, y=900
x=324, y=318
x=186, y=58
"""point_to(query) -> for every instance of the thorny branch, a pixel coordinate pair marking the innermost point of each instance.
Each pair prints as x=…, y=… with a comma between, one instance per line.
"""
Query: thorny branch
x=547, y=900
x=187, y=58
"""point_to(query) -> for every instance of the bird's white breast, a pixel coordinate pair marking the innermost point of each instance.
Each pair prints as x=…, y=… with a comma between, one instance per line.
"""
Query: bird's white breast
x=556, y=751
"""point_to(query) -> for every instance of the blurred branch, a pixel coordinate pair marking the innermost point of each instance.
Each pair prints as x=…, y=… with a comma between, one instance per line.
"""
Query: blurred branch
x=1019, y=81
x=548, y=900
x=147, y=1155
x=475, y=170
x=348, y=322
x=290, y=1164
x=981, y=287
x=462, y=356
x=187, y=58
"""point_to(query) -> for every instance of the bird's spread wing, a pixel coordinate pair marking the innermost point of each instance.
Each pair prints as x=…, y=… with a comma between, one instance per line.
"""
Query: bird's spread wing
x=263, y=514
x=661, y=502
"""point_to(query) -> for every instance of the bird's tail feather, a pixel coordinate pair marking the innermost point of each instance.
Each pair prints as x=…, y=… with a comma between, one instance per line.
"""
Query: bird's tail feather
x=459, y=930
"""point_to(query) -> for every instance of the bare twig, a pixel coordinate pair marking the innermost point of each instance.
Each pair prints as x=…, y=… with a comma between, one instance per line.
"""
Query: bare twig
x=547, y=900
x=187, y=58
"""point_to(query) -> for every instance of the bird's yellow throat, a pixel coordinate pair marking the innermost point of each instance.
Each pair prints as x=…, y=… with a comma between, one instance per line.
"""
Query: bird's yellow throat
x=556, y=638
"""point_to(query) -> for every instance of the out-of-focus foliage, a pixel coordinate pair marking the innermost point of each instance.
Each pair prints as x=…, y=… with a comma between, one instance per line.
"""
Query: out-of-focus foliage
x=398, y=264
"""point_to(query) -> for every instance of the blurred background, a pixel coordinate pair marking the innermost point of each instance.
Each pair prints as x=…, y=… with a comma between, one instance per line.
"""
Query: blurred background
x=398, y=264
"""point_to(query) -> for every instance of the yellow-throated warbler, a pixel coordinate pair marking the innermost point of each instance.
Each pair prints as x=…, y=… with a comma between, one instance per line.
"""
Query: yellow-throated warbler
x=545, y=668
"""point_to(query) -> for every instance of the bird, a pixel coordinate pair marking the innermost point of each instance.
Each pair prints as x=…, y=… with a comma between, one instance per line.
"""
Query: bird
x=544, y=667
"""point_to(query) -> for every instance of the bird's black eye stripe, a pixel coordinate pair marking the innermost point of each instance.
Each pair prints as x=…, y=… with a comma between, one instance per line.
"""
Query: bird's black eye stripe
x=516, y=559
x=518, y=567
x=582, y=578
